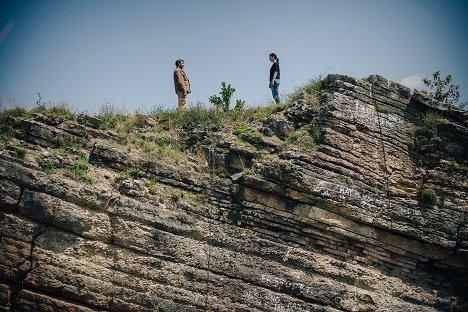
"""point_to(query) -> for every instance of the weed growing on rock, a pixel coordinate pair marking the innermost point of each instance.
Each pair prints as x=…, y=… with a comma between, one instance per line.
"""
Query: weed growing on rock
x=233, y=217
x=60, y=110
x=309, y=92
x=428, y=196
x=247, y=133
x=46, y=164
x=79, y=171
x=304, y=140
x=427, y=126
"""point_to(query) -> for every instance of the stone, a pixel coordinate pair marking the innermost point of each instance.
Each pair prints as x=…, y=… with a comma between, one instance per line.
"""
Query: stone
x=341, y=227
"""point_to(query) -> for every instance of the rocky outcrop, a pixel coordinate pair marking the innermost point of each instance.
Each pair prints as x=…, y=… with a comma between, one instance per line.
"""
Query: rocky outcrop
x=342, y=227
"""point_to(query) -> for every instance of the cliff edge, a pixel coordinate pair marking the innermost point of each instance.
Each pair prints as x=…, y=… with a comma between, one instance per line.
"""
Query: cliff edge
x=353, y=197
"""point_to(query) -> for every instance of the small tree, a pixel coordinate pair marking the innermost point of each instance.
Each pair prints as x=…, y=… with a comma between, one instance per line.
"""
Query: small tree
x=224, y=102
x=443, y=91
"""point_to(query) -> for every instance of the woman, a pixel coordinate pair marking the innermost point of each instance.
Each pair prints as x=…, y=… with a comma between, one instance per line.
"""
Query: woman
x=274, y=77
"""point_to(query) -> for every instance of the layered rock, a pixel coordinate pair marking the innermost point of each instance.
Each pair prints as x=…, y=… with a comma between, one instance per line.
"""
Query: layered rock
x=339, y=228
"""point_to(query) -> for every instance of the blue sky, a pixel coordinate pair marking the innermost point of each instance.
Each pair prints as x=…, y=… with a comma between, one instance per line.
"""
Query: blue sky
x=87, y=53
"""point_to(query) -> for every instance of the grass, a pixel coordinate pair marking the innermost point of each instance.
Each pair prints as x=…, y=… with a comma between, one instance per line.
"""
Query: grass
x=46, y=164
x=232, y=216
x=247, y=133
x=79, y=171
x=382, y=109
x=305, y=139
x=309, y=93
x=6, y=124
x=60, y=110
x=427, y=126
x=428, y=196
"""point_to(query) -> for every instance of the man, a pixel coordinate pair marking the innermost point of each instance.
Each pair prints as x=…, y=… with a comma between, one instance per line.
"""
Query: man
x=181, y=84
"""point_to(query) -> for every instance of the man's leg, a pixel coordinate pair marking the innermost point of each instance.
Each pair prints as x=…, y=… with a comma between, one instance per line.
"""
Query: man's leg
x=182, y=105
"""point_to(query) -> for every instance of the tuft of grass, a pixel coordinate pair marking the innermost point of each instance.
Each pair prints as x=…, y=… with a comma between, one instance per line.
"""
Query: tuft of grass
x=79, y=171
x=232, y=216
x=309, y=93
x=247, y=133
x=428, y=196
x=427, y=126
x=60, y=110
x=6, y=125
x=305, y=139
x=382, y=109
x=46, y=164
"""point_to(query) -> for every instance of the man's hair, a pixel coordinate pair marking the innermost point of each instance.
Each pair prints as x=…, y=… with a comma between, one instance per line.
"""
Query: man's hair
x=177, y=63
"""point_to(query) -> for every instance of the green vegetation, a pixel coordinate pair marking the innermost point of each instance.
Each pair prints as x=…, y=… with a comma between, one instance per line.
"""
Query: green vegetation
x=428, y=196
x=427, y=126
x=60, y=110
x=232, y=216
x=20, y=152
x=7, y=123
x=305, y=139
x=443, y=91
x=382, y=109
x=79, y=171
x=247, y=133
x=224, y=102
x=309, y=93
x=46, y=164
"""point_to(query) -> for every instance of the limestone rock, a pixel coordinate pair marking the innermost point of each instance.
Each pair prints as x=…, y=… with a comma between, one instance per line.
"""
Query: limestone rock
x=344, y=226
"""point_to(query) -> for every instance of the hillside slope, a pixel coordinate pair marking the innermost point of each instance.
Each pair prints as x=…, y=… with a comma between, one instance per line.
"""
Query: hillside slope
x=352, y=198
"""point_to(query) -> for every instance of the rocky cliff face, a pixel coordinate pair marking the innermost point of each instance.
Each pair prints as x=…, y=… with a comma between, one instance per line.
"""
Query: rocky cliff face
x=373, y=218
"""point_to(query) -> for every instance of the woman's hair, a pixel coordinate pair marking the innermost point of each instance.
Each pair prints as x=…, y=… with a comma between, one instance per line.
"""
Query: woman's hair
x=178, y=62
x=273, y=55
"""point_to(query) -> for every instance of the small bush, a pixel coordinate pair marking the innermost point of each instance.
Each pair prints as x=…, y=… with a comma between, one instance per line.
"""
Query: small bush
x=6, y=126
x=224, y=102
x=309, y=92
x=247, y=133
x=427, y=125
x=61, y=110
x=233, y=217
x=428, y=196
x=79, y=171
x=46, y=164
x=305, y=139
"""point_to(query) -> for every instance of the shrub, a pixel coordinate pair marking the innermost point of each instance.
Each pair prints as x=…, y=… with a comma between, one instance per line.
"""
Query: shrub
x=60, y=110
x=443, y=91
x=305, y=139
x=224, y=102
x=46, y=164
x=427, y=125
x=309, y=92
x=428, y=196
x=247, y=133
x=233, y=217
x=79, y=171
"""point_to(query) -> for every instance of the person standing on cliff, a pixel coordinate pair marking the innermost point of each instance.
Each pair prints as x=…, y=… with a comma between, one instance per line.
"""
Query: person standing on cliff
x=274, y=77
x=181, y=84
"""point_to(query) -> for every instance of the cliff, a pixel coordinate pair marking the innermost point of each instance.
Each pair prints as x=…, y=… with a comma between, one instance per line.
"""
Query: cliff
x=351, y=198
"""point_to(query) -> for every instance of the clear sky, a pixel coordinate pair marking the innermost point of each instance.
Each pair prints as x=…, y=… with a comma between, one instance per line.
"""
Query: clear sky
x=88, y=52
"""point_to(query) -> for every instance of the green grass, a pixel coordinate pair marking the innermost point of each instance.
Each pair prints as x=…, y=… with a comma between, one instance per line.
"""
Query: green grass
x=79, y=171
x=233, y=217
x=7, y=125
x=247, y=133
x=305, y=139
x=60, y=110
x=309, y=93
x=427, y=125
x=382, y=109
x=46, y=164
x=428, y=196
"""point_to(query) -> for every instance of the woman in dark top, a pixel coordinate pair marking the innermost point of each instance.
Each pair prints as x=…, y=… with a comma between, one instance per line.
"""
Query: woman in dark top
x=274, y=77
